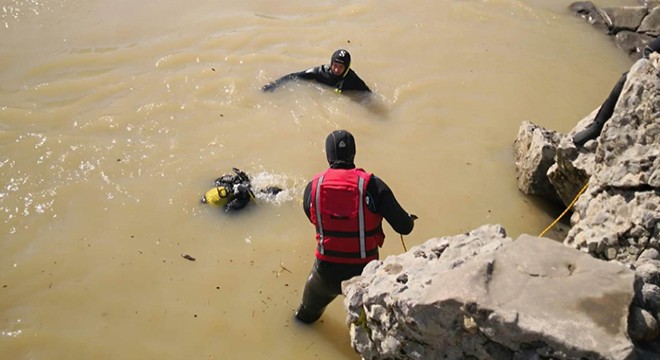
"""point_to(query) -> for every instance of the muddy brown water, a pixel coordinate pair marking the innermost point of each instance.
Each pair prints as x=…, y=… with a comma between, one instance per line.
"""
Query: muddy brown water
x=115, y=117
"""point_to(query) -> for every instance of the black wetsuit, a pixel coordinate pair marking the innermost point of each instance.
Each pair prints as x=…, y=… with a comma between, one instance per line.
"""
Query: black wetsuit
x=653, y=46
x=240, y=187
x=323, y=75
x=607, y=108
x=324, y=282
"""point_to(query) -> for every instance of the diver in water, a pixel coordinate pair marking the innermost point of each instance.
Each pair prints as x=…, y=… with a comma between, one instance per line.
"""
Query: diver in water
x=231, y=191
x=607, y=108
x=234, y=191
x=337, y=74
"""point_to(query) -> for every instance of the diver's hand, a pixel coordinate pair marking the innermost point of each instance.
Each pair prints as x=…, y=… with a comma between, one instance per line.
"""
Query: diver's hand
x=269, y=87
x=236, y=204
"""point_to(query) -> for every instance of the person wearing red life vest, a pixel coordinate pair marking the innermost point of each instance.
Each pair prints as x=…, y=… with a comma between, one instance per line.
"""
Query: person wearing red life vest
x=346, y=204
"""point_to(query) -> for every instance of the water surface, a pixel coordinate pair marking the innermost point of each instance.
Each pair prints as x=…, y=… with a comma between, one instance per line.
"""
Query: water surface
x=115, y=116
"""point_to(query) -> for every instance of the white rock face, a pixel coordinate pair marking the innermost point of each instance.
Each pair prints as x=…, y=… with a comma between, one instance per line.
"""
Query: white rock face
x=483, y=296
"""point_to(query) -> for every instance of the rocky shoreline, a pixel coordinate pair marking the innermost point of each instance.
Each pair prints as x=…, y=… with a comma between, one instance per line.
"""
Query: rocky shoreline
x=483, y=295
x=632, y=27
x=617, y=218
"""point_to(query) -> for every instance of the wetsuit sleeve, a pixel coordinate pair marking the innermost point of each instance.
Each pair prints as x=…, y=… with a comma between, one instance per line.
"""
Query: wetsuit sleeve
x=653, y=46
x=604, y=113
x=241, y=198
x=307, y=196
x=236, y=204
x=386, y=204
x=274, y=84
x=309, y=74
x=354, y=83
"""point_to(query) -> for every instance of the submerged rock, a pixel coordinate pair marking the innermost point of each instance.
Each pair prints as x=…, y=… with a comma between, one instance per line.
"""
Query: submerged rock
x=631, y=26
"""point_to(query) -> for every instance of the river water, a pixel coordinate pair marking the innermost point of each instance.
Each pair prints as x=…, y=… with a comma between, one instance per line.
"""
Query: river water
x=115, y=116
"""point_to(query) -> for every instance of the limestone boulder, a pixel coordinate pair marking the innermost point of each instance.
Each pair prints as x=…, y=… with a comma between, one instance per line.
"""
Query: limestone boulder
x=651, y=23
x=624, y=17
x=534, y=152
x=482, y=295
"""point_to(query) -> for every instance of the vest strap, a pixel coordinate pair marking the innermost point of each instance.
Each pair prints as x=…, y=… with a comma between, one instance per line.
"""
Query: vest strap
x=319, y=226
x=363, y=251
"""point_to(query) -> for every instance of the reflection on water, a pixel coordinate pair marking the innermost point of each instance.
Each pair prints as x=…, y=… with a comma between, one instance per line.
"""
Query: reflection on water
x=117, y=116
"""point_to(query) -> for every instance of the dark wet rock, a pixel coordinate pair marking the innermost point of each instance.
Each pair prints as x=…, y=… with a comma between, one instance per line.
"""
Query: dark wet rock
x=588, y=11
x=650, y=297
x=624, y=18
x=631, y=26
x=651, y=23
x=632, y=42
x=643, y=327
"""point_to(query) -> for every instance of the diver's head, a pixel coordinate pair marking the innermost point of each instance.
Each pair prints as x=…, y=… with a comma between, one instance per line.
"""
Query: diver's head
x=340, y=147
x=340, y=62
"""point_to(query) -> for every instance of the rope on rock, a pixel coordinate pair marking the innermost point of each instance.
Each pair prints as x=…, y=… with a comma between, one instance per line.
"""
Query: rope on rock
x=565, y=211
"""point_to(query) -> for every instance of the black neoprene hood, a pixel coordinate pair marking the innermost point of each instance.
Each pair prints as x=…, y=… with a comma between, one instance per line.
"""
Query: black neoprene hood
x=341, y=56
x=340, y=147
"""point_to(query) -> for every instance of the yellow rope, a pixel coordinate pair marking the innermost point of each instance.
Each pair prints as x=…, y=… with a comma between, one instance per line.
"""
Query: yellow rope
x=565, y=211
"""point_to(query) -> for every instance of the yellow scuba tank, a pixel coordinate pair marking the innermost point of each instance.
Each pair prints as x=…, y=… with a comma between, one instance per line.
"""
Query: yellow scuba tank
x=219, y=196
x=230, y=191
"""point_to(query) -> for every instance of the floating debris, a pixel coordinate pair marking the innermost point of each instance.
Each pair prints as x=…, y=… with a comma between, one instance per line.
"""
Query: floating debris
x=188, y=257
x=282, y=269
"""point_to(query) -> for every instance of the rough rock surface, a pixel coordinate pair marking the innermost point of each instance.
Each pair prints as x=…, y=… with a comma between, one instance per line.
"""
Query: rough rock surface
x=534, y=153
x=483, y=296
x=618, y=216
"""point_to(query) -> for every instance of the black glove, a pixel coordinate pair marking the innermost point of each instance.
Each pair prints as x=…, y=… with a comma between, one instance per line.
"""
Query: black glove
x=269, y=87
x=241, y=176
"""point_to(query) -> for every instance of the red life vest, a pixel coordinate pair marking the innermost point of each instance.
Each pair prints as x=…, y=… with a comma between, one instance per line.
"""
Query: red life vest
x=346, y=230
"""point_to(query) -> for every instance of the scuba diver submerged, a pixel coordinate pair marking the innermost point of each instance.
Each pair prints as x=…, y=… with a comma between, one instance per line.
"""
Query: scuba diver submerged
x=338, y=74
x=234, y=191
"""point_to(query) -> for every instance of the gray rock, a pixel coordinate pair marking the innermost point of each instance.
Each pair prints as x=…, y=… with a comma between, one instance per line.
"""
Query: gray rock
x=643, y=327
x=571, y=170
x=624, y=18
x=633, y=26
x=649, y=272
x=534, y=151
x=617, y=217
x=651, y=297
x=651, y=23
x=648, y=254
x=632, y=43
x=588, y=11
x=483, y=296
